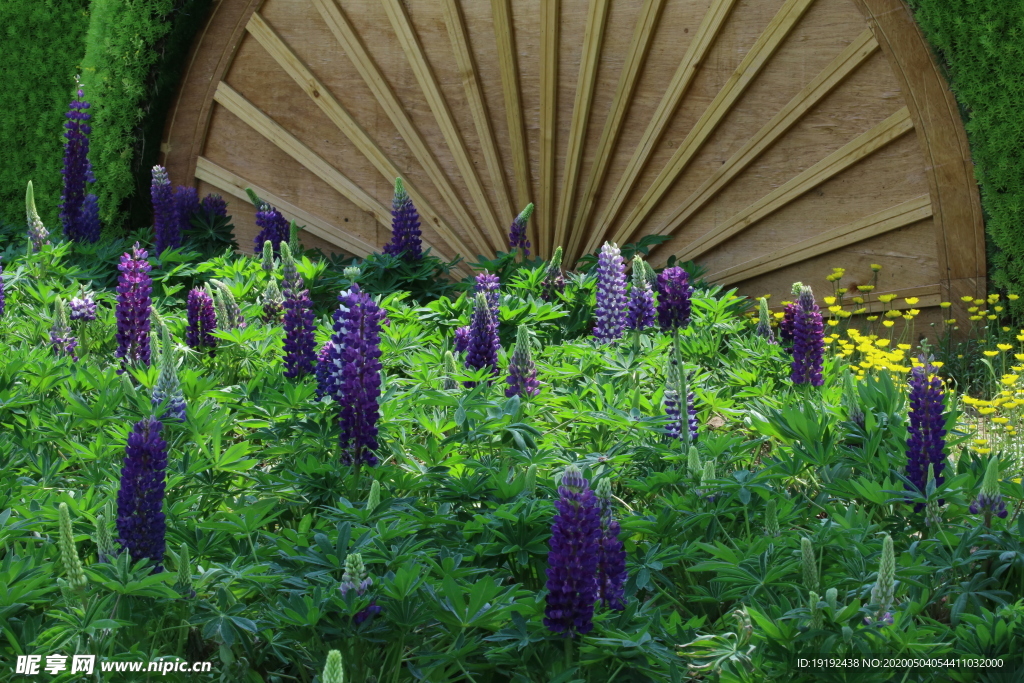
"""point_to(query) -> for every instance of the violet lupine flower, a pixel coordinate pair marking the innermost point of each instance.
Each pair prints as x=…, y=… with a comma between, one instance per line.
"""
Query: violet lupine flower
x=990, y=500
x=462, y=339
x=674, y=294
x=3, y=294
x=79, y=212
x=575, y=549
x=926, y=435
x=517, y=233
x=808, y=342
x=214, y=205
x=483, y=339
x=324, y=361
x=640, y=315
x=354, y=378
x=186, y=205
x=141, y=525
x=133, y=309
x=554, y=281
x=61, y=338
x=789, y=315
x=38, y=235
x=679, y=426
x=490, y=286
x=201, y=321
x=275, y=228
x=272, y=301
x=166, y=223
x=299, y=327
x=167, y=386
x=522, y=372
x=232, y=318
x=611, y=564
x=610, y=313
x=83, y=306
x=405, y=227
x=356, y=579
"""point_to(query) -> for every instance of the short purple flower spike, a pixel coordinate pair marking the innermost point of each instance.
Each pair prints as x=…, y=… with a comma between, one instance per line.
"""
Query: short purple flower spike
x=202, y=322
x=82, y=307
x=610, y=314
x=808, y=342
x=166, y=224
x=141, y=525
x=462, y=339
x=490, y=286
x=517, y=233
x=133, y=309
x=522, y=372
x=640, y=315
x=406, y=242
x=3, y=295
x=674, y=295
x=79, y=211
x=274, y=229
x=483, y=339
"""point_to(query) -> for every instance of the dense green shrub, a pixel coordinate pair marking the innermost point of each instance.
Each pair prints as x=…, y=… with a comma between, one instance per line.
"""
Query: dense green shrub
x=41, y=45
x=982, y=44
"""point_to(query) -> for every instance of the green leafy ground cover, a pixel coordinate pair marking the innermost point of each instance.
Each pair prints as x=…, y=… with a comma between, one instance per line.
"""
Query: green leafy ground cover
x=457, y=546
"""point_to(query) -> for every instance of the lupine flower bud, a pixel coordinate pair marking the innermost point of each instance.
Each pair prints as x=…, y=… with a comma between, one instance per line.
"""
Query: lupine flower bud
x=333, y=671
x=771, y=519
x=221, y=315
x=290, y=278
x=832, y=598
x=674, y=295
x=133, y=309
x=554, y=281
x=450, y=368
x=184, y=582
x=141, y=525
x=83, y=307
x=201, y=321
x=808, y=342
x=489, y=285
x=166, y=224
x=68, y=551
x=932, y=512
x=104, y=544
x=990, y=499
x=530, y=482
x=406, y=242
x=517, y=233
x=693, y=463
x=268, y=257
x=764, y=324
x=483, y=339
x=611, y=310
x=640, y=315
x=186, y=205
x=61, y=339
x=351, y=272
x=708, y=475
x=373, y=500
x=233, y=319
x=272, y=302
x=611, y=564
x=462, y=339
x=851, y=401
x=38, y=235
x=293, y=237
x=355, y=578
x=810, y=565
x=79, y=212
x=522, y=372
x=274, y=228
x=816, y=617
x=167, y=387
x=926, y=435
x=575, y=547
x=650, y=275
x=884, y=590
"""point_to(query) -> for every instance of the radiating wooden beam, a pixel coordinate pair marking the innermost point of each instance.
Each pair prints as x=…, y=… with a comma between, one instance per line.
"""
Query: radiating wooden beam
x=550, y=25
x=368, y=70
x=825, y=82
x=696, y=52
x=879, y=223
x=646, y=21
x=501, y=12
x=318, y=93
x=590, y=59
x=417, y=59
x=860, y=147
x=750, y=67
x=456, y=24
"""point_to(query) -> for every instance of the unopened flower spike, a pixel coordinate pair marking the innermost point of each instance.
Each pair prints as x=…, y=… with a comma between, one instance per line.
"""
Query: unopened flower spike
x=68, y=552
x=104, y=543
x=884, y=590
x=61, y=339
x=522, y=371
x=167, y=387
x=517, y=232
x=38, y=235
x=333, y=670
x=810, y=565
x=771, y=519
x=272, y=302
x=184, y=580
x=450, y=368
x=990, y=500
x=530, y=480
x=373, y=499
x=267, y=263
x=554, y=281
x=764, y=325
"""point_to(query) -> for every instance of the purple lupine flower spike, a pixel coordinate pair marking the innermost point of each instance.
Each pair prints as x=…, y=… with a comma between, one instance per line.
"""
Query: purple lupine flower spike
x=611, y=564
x=133, y=309
x=166, y=224
x=573, y=558
x=275, y=228
x=186, y=205
x=355, y=579
x=990, y=500
x=462, y=339
x=483, y=339
x=611, y=310
x=517, y=233
x=554, y=281
x=789, y=315
x=38, y=235
x=808, y=342
x=674, y=295
x=61, y=338
x=3, y=294
x=323, y=368
x=79, y=212
x=926, y=434
x=406, y=242
x=489, y=285
x=201, y=322
x=299, y=322
x=214, y=205
x=680, y=426
x=640, y=315
x=273, y=302
x=522, y=372
x=82, y=307
x=141, y=525
x=167, y=386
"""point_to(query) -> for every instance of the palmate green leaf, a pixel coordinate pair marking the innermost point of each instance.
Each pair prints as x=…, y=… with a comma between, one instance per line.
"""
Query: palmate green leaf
x=126, y=579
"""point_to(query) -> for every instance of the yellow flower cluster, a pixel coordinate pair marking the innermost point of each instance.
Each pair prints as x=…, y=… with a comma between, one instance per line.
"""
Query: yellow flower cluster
x=866, y=353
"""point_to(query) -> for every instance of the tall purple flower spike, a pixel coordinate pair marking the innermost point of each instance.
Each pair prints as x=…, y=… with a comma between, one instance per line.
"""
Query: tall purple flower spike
x=483, y=339
x=517, y=232
x=79, y=212
x=674, y=299
x=3, y=295
x=141, y=525
x=406, y=239
x=611, y=565
x=202, y=322
x=610, y=314
x=133, y=309
x=926, y=434
x=808, y=342
x=274, y=228
x=490, y=286
x=299, y=329
x=186, y=205
x=166, y=224
x=640, y=315
x=573, y=557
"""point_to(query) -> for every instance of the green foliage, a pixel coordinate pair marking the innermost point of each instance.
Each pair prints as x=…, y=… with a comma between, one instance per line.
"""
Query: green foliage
x=41, y=45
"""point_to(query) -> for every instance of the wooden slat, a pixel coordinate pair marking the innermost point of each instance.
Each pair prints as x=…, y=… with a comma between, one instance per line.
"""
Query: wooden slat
x=697, y=50
x=750, y=67
x=340, y=116
x=550, y=24
x=509, y=69
x=631, y=69
x=590, y=59
x=825, y=82
x=860, y=147
x=350, y=42
x=879, y=223
x=474, y=96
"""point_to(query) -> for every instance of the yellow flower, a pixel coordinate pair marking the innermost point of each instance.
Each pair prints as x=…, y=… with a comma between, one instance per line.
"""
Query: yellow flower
x=1012, y=297
x=858, y=299
x=888, y=323
x=832, y=321
x=1019, y=356
x=993, y=296
x=912, y=300
x=975, y=317
x=972, y=309
x=780, y=315
x=865, y=288
x=892, y=314
x=844, y=314
x=938, y=363
x=905, y=347
x=841, y=290
x=831, y=278
x=980, y=442
x=950, y=321
x=992, y=317
x=908, y=317
x=913, y=312
x=1004, y=347
x=979, y=302
x=1008, y=380
x=830, y=300
x=860, y=311
x=886, y=298
x=945, y=304
x=966, y=298
x=1006, y=329
x=990, y=354
x=872, y=318
x=833, y=309
x=984, y=451
x=875, y=267
x=1000, y=420
x=998, y=309
x=1020, y=337
x=881, y=342
x=986, y=411
x=959, y=355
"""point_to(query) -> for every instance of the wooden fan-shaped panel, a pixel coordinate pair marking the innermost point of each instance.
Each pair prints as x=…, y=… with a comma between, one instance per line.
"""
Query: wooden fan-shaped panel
x=769, y=139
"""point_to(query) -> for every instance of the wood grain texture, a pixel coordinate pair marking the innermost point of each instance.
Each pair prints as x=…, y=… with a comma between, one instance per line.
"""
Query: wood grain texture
x=550, y=25
x=509, y=72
